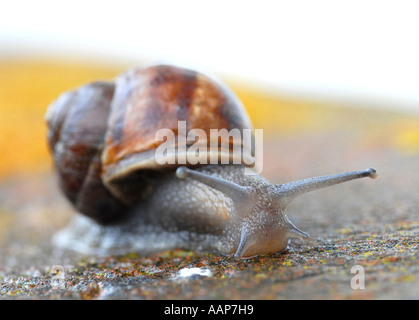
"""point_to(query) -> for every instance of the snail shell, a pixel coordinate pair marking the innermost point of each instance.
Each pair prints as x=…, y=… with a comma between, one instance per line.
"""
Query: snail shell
x=102, y=135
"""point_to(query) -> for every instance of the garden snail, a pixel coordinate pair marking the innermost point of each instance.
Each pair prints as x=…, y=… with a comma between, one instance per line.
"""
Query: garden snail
x=102, y=137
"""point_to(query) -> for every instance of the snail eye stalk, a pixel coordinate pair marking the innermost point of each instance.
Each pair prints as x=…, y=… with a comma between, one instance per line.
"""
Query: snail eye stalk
x=285, y=193
x=239, y=194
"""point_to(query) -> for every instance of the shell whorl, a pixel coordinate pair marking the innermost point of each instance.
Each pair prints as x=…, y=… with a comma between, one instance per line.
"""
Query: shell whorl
x=77, y=122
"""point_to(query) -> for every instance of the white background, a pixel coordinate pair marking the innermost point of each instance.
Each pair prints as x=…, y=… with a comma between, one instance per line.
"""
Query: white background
x=359, y=50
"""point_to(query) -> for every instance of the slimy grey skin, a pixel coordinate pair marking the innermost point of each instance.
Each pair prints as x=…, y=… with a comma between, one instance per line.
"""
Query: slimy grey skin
x=213, y=208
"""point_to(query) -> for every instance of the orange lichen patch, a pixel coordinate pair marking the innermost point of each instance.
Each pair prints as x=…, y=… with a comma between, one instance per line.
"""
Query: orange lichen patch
x=275, y=113
x=406, y=135
x=26, y=89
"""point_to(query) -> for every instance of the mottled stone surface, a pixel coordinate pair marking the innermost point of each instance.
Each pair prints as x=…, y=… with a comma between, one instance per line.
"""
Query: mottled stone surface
x=369, y=223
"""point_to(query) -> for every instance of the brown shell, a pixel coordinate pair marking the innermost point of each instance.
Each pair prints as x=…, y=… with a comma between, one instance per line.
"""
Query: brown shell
x=106, y=132
x=77, y=123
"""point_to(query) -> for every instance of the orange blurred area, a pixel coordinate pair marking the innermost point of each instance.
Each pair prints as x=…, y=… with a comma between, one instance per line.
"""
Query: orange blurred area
x=26, y=89
x=28, y=86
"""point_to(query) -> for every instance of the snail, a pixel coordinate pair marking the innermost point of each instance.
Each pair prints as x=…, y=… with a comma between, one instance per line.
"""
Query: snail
x=102, y=137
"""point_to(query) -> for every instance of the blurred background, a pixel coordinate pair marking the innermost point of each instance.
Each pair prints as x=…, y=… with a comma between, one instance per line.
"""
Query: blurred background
x=296, y=65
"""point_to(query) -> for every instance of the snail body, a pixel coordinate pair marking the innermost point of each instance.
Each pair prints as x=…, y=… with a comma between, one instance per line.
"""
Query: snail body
x=102, y=136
